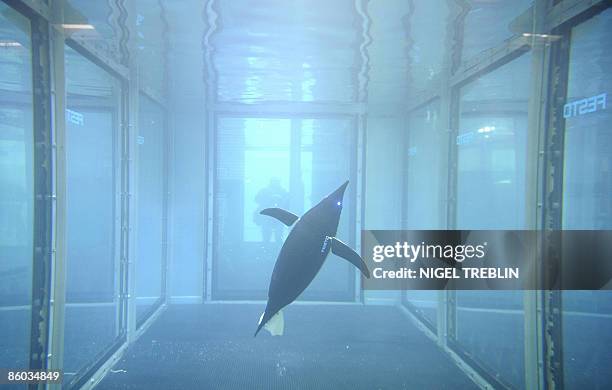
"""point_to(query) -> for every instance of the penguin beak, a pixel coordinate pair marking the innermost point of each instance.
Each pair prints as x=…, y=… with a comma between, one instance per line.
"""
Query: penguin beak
x=338, y=195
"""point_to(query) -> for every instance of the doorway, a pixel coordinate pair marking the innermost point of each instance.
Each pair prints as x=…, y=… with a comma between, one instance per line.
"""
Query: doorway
x=290, y=163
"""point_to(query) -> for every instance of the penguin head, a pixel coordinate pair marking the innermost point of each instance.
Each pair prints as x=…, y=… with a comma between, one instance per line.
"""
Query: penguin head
x=336, y=197
x=326, y=214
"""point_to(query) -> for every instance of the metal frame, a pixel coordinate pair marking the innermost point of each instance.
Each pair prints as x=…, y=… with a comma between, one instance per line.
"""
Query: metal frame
x=540, y=63
x=118, y=297
x=130, y=226
x=363, y=79
x=210, y=17
x=167, y=139
x=566, y=10
x=98, y=56
x=44, y=200
x=287, y=108
x=360, y=123
x=209, y=211
x=58, y=131
x=37, y=7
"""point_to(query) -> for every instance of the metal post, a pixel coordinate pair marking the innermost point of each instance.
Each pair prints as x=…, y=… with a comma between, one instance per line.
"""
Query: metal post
x=167, y=209
x=56, y=35
x=210, y=18
x=552, y=198
x=447, y=124
x=359, y=121
x=210, y=204
x=360, y=124
x=119, y=124
x=44, y=197
x=533, y=329
x=130, y=224
x=131, y=219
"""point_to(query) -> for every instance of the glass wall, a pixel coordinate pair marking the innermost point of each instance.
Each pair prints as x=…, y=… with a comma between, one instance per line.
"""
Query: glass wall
x=92, y=123
x=427, y=25
x=587, y=193
x=491, y=152
x=425, y=188
x=151, y=35
x=487, y=24
x=491, y=148
x=389, y=61
x=151, y=206
x=16, y=187
x=287, y=163
x=426, y=169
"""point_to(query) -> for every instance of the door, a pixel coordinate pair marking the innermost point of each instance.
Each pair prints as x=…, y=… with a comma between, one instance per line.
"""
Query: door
x=277, y=162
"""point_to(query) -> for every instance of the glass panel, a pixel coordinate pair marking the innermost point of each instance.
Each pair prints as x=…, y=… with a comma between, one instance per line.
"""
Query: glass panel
x=587, y=197
x=256, y=58
x=425, y=203
x=491, y=146
x=490, y=327
x=96, y=22
x=151, y=30
x=150, y=205
x=588, y=141
x=91, y=134
x=253, y=169
x=426, y=170
x=325, y=163
x=389, y=63
x=283, y=163
x=16, y=187
x=488, y=23
x=427, y=31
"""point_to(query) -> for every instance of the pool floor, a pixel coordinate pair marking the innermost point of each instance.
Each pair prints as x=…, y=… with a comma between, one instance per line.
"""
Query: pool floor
x=324, y=347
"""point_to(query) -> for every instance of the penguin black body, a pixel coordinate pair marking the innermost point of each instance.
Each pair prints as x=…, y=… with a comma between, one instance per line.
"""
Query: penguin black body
x=304, y=252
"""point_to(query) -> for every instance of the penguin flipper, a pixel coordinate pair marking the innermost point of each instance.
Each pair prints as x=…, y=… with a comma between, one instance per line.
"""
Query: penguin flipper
x=286, y=217
x=340, y=249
